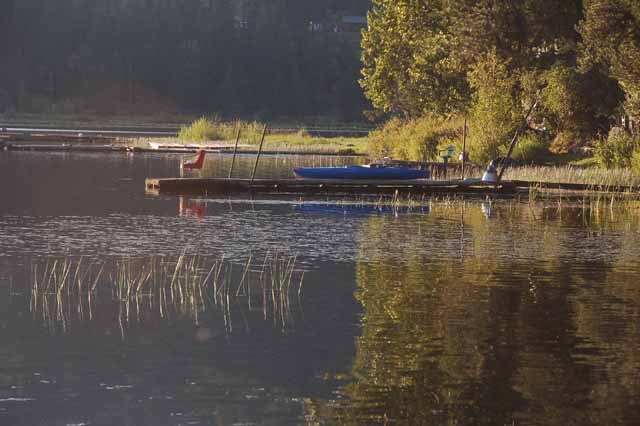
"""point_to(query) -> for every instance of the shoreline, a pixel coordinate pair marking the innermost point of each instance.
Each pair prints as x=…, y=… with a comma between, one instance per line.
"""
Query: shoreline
x=139, y=140
x=132, y=148
x=97, y=142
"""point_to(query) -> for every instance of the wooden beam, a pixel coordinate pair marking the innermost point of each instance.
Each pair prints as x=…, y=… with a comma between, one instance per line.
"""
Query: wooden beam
x=255, y=166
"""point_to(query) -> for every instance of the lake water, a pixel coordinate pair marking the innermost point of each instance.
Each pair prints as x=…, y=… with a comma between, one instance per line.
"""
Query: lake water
x=122, y=308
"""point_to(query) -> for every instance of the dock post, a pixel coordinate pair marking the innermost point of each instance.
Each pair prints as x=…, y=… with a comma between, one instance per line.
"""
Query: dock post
x=255, y=166
x=464, y=146
x=235, y=150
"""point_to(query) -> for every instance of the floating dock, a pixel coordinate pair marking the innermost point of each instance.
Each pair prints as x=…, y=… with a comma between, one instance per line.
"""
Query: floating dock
x=334, y=187
x=343, y=187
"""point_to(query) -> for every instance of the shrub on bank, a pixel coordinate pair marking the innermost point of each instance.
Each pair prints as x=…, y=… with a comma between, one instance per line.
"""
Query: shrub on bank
x=213, y=129
x=413, y=139
x=618, y=150
x=203, y=129
x=531, y=149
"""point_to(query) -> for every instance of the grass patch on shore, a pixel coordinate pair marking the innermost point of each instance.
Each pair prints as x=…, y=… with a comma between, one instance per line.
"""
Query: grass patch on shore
x=278, y=143
x=338, y=145
x=568, y=159
x=213, y=129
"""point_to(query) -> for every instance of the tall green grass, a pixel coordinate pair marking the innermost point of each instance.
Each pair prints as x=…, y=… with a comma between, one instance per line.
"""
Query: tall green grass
x=213, y=129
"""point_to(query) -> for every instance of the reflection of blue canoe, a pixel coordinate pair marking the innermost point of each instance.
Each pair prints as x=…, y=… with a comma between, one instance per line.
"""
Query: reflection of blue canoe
x=360, y=172
x=358, y=210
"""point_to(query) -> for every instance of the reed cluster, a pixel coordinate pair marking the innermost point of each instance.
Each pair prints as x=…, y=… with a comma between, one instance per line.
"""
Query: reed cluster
x=567, y=174
x=388, y=204
x=69, y=288
x=595, y=202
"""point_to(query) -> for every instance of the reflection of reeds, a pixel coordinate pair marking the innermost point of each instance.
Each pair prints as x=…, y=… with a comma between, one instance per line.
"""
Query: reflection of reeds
x=164, y=286
x=394, y=202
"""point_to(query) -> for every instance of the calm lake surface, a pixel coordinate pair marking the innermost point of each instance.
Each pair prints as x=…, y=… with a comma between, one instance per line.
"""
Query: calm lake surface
x=121, y=308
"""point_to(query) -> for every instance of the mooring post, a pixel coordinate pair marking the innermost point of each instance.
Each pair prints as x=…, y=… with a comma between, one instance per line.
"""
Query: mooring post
x=464, y=146
x=462, y=230
x=235, y=150
x=255, y=166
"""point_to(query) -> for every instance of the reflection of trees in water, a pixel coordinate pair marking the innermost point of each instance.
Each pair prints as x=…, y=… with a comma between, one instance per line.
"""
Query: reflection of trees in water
x=132, y=291
x=532, y=321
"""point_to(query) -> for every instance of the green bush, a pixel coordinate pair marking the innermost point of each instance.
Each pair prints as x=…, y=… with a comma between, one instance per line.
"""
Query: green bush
x=415, y=139
x=213, y=129
x=203, y=129
x=617, y=150
x=531, y=148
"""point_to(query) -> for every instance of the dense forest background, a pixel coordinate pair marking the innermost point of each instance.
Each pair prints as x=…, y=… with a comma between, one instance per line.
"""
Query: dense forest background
x=251, y=58
x=419, y=65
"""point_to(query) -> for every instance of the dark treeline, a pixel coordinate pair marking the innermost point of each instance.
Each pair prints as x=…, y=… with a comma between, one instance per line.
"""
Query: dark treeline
x=254, y=58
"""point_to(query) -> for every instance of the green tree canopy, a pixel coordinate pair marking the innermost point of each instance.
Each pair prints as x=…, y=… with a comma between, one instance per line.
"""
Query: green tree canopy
x=408, y=65
x=488, y=58
x=611, y=32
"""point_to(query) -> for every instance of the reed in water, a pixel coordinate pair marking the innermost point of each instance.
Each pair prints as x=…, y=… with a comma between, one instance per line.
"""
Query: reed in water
x=70, y=288
x=583, y=175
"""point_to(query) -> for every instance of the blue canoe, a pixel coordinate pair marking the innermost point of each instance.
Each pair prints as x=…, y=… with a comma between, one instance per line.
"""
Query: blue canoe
x=360, y=172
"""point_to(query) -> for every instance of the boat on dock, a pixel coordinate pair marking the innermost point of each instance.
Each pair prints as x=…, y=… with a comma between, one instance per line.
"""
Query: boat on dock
x=370, y=172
